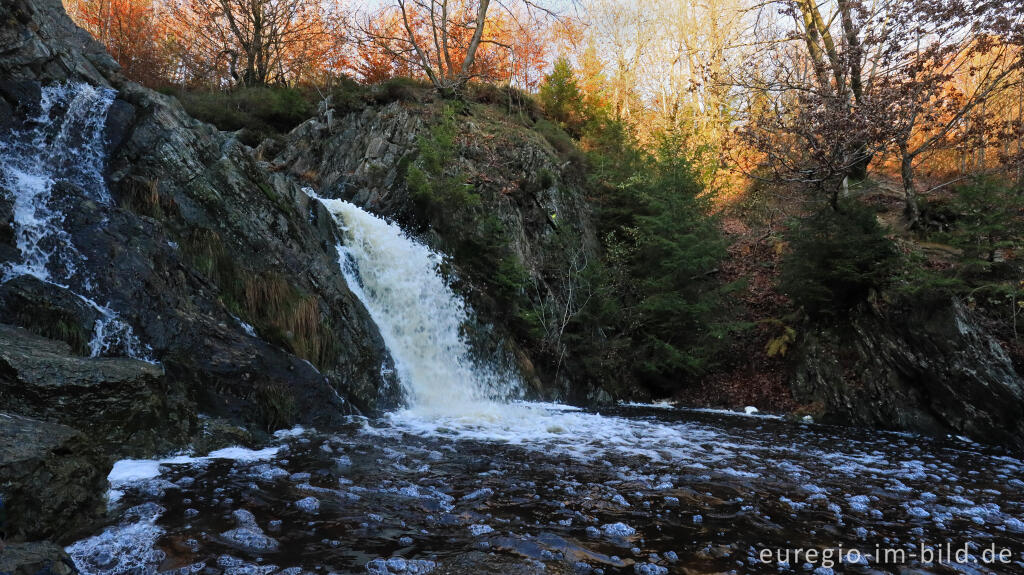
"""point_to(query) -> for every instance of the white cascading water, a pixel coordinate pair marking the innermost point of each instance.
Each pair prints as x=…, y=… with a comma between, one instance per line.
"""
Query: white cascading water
x=418, y=315
x=64, y=143
x=420, y=319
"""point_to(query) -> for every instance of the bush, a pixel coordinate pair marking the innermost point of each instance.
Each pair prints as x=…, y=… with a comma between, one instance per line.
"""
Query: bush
x=401, y=90
x=511, y=100
x=836, y=258
x=259, y=111
x=990, y=220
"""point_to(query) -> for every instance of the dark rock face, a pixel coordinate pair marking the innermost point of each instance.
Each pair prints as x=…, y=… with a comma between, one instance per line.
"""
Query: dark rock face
x=39, y=42
x=52, y=478
x=35, y=559
x=48, y=310
x=126, y=405
x=933, y=371
x=363, y=156
x=224, y=269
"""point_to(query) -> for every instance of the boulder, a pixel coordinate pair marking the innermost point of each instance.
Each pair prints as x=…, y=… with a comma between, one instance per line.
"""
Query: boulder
x=48, y=310
x=39, y=558
x=125, y=404
x=53, y=481
x=917, y=369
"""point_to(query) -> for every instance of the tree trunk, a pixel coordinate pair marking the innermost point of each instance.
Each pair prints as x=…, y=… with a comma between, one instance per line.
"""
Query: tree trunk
x=911, y=210
x=857, y=169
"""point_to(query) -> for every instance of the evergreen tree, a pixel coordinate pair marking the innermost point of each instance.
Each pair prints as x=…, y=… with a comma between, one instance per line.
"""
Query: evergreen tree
x=561, y=97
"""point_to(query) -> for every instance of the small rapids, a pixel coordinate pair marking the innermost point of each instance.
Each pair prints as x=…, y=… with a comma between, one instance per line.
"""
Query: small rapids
x=58, y=154
x=467, y=480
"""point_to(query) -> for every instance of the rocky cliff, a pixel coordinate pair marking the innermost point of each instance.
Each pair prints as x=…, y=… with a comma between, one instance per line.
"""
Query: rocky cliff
x=226, y=271
x=520, y=241
x=916, y=368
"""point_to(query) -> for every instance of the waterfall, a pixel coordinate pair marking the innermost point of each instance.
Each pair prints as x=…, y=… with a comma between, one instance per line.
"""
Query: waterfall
x=419, y=316
x=62, y=146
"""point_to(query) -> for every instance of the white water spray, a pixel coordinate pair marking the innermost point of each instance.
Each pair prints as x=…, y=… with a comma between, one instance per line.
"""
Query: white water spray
x=418, y=315
x=64, y=143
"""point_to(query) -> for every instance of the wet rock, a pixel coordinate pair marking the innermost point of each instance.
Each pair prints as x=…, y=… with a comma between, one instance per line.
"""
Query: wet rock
x=480, y=563
x=217, y=433
x=308, y=504
x=120, y=119
x=52, y=479
x=40, y=558
x=126, y=404
x=920, y=369
x=248, y=536
x=48, y=310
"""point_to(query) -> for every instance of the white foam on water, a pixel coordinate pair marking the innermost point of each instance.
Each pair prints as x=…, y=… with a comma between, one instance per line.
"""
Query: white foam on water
x=127, y=549
x=63, y=143
x=744, y=413
x=132, y=470
x=419, y=316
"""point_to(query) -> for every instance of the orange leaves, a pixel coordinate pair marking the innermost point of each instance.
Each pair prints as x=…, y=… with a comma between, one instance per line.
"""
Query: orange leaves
x=131, y=31
x=423, y=37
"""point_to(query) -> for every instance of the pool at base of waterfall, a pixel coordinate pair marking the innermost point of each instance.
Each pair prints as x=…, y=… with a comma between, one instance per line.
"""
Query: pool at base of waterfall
x=541, y=488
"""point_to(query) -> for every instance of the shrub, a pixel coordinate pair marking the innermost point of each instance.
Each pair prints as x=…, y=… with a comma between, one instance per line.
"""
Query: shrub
x=259, y=111
x=836, y=258
x=990, y=219
x=401, y=90
x=512, y=100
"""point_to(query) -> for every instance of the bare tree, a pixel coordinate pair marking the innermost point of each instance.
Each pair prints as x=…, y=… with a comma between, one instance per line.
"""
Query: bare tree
x=443, y=39
x=852, y=79
x=256, y=42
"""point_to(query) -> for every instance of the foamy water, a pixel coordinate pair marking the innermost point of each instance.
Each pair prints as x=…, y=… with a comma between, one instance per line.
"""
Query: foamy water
x=419, y=316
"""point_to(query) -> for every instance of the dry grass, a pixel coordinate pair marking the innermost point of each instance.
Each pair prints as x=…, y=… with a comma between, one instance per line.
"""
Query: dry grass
x=290, y=317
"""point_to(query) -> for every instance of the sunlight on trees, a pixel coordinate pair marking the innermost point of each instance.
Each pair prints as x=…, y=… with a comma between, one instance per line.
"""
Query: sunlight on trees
x=802, y=95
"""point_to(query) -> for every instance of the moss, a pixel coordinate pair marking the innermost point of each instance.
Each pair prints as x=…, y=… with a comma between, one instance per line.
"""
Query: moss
x=281, y=313
x=269, y=192
x=51, y=325
x=204, y=251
